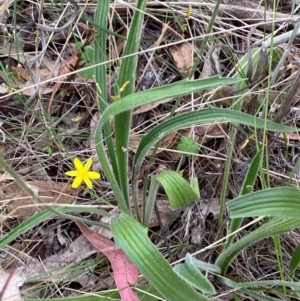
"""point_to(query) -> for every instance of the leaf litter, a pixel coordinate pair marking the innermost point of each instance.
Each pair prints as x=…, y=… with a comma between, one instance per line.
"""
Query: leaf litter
x=64, y=97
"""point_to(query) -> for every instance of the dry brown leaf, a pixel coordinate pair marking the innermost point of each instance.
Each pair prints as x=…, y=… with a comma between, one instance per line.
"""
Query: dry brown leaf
x=167, y=215
x=15, y=53
x=207, y=132
x=66, y=68
x=22, y=206
x=22, y=72
x=293, y=57
x=183, y=57
x=151, y=106
x=166, y=141
x=77, y=251
x=290, y=136
x=253, y=12
x=121, y=43
x=26, y=89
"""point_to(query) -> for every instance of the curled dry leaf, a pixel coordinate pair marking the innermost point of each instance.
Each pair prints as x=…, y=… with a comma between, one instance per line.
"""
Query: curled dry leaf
x=22, y=206
x=167, y=215
x=207, y=132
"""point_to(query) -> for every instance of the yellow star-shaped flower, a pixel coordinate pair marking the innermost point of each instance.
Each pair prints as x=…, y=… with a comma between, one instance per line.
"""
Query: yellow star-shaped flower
x=82, y=173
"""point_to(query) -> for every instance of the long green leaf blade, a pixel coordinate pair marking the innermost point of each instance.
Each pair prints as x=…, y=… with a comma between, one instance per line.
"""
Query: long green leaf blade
x=279, y=201
x=179, y=88
x=132, y=238
x=43, y=216
x=272, y=227
x=189, y=272
x=127, y=78
x=198, y=117
x=295, y=261
x=101, y=19
x=247, y=187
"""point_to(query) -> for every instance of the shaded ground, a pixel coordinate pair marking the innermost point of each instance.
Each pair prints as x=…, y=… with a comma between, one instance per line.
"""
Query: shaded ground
x=48, y=122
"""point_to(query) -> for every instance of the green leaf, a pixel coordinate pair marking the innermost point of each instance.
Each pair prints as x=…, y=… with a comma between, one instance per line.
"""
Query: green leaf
x=188, y=145
x=281, y=202
x=179, y=88
x=278, y=201
x=261, y=284
x=132, y=238
x=47, y=150
x=251, y=176
x=208, y=267
x=42, y=216
x=273, y=227
x=246, y=188
x=189, y=272
x=195, y=186
x=127, y=75
x=179, y=191
x=197, y=117
x=295, y=261
x=89, y=57
x=109, y=166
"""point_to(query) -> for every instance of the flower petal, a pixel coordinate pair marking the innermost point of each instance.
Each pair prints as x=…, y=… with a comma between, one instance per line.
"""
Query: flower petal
x=72, y=173
x=88, y=164
x=94, y=175
x=88, y=183
x=78, y=164
x=77, y=182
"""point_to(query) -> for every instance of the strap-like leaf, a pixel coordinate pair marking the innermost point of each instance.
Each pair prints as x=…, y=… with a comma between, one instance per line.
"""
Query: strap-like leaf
x=198, y=117
x=247, y=187
x=132, y=238
x=279, y=201
x=189, y=272
x=179, y=191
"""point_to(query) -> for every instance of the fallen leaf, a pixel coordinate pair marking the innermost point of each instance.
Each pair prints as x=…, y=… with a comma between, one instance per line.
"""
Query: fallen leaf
x=183, y=57
x=22, y=72
x=125, y=272
x=151, y=106
x=77, y=251
x=290, y=136
x=166, y=214
x=66, y=68
x=23, y=206
x=166, y=141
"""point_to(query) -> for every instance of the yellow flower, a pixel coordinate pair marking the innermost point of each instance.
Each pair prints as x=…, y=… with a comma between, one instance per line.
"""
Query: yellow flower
x=82, y=173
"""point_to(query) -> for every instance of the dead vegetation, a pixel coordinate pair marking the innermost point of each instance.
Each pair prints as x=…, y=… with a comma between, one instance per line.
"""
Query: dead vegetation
x=48, y=106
